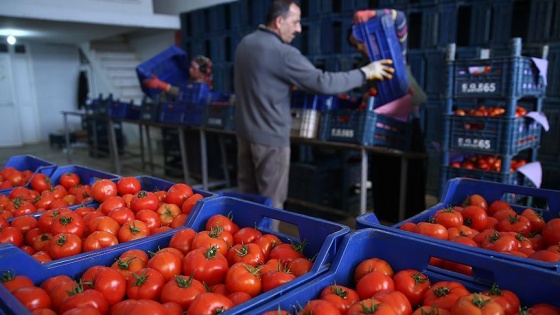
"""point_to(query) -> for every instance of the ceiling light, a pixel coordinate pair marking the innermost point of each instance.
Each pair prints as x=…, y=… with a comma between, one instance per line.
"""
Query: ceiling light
x=11, y=39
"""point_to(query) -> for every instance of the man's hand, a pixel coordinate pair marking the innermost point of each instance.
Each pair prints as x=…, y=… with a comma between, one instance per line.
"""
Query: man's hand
x=379, y=70
x=155, y=83
x=363, y=16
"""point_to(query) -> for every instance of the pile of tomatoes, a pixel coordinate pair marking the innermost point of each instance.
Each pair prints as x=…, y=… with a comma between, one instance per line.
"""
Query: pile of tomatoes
x=11, y=177
x=378, y=289
x=490, y=163
x=203, y=272
x=492, y=111
x=495, y=226
x=125, y=213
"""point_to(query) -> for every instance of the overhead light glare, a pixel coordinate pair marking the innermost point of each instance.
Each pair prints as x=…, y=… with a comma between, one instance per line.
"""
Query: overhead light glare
x=11, y=39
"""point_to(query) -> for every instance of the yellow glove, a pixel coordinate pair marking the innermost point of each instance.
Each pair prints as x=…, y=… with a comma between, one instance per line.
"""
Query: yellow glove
x=379, y=70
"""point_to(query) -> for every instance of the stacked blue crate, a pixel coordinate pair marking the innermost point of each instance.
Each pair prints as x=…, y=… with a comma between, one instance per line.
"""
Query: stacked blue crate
x=507, y=82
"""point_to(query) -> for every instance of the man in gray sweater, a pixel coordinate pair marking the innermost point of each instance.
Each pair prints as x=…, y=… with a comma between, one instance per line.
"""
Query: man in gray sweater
x=266, y=69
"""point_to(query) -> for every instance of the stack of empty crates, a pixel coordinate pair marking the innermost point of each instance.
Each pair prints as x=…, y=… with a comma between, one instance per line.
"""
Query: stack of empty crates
x=484, y=116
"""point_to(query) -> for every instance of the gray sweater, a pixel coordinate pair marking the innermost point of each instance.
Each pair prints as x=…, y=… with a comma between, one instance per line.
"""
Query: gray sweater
x=265, y=71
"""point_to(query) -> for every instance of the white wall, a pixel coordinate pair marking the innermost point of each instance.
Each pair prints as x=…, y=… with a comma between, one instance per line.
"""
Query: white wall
x=148, y=46
x=175, y=7
x=55, y=69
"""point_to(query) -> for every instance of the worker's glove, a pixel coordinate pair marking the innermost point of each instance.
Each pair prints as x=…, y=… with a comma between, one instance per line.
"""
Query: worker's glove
x=379, y=70
x=363, y=16
x=155, y=83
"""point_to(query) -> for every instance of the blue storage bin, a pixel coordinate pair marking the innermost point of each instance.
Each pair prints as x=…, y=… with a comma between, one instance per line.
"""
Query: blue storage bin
x=458, y=189
x=248, y=197
x=381, y=41
x=194, y=92
x=322, y=237
x=171, y=66
x=123, y=110
x=171, y=112
x=304, y=100
x=87, y=175
x=29, y=162
x=150, y=111
x=402, y=252
x=220, y=112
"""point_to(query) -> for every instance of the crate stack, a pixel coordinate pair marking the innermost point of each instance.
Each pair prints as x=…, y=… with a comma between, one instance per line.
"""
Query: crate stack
x=95, y=123
x=485, y=130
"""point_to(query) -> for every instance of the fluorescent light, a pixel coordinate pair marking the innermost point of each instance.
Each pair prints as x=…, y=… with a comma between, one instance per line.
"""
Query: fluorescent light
x=11, y=39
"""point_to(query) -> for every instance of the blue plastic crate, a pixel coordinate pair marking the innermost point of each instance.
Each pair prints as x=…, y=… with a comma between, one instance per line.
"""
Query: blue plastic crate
x=149, y=111
x=193, y=114
x=222, y=47
x=309, y=41
x=194, y=92
x=458, y=189
x=304, y=100
x=530, y=284
x=29, y=162
x=322, y=237
x=366, y=128
x=510, y=178
x=123, y=110
x=99, y=105
x=493, y=135
x=171, y=112
x=87, y=175
x=260, y=199
x=220, y=112
x=171, y=66
x=381, y=41
x=502, y=77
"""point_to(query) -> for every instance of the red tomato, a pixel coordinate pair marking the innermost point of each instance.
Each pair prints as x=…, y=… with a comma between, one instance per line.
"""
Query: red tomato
x=448, y=217
x=300, y=266
x=33, y=298
x=133, y=230
x=412, y=283
x=209, y=303
x=238, y=297
x=266, y=242
x=52, y=282
x=432, y=230
x=206, y=264
x=128, y=185
x=179, y=221
x=506, y=298
x=69, y=180
x=103, y=189
x=168, y=263
x=430, y=310
x=91, y=298
x=498, y=205
x=12, y=235
x=500, y=242
x=476, y=304
x=476, y=200
x=242, y=277
x=366, y=306
x=189, y=204
x=396, y=299
x=24, y=223
x=178, y=193
x=146, y=283
x=68, y=222
x=182, y=290
x=340, y=296
x=182, y=240
x=372, y=283
x=103, y=223
x=98, y=240
x=109, y=282
x=130, y=261
x=172, y=308
x=543, y=309
x=112, y=202
x=220, y=220
x=206, y=239
x=460, y=231
x=275, y=278
x=122, y=215
x=536, y=219
x=167, y=213
x=40, y=182
x=517, y=223
x=144, y=200
x=551, y=232
x=12, y=282
x=545, y=255
x=287, y=252
x=246, y=235
x=149, y=217
x=128, y=307
x=475, y=217
x=249, y=253
x=42, y=256
x=372, y=264
x=320, y=307
x=444, y=294
x=64, y=245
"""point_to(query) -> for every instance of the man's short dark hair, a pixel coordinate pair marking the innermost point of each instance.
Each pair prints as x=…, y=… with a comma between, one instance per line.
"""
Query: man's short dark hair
x=278, y=8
